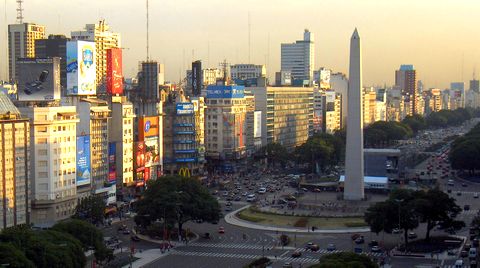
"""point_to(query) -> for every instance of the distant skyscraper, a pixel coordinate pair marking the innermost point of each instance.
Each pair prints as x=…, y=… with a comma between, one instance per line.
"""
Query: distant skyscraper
x=148, y=80
x=354, y=178
x=197, y=78
x=21, y=44
x=339, y=84
x=54, y=46
x=475, y=85
x=104, y=39
x=406, y=80
x=299, y=57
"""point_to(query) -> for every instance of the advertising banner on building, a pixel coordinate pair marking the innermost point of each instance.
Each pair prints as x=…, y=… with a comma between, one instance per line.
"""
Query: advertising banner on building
x=83, y=160
x=114, y=71
x=197, y=78
x=225, y=92
x=325, y=78
x=139, y=156
x=112, y=168
x=152, y=157
x=147, y=127
x=38, y=79
x=185, y=108
x=81, y=68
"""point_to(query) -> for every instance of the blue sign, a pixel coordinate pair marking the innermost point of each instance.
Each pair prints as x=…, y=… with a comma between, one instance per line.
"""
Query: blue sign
x=83, y=160
x=148, y=124
x=185, y=160
x=225, y=92
x=185, y=108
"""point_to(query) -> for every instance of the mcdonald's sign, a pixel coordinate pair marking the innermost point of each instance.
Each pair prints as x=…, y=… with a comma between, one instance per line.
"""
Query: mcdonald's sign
x=184, y=172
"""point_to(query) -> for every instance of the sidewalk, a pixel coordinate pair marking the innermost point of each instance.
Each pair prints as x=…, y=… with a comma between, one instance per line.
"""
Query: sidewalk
x=146, y=257
x=230, y=218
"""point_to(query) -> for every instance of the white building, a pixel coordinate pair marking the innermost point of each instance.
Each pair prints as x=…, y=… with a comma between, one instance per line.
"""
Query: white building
x=104, y=39
x=247, y=71
x=299, y=57
x=339, y=84
x=53, y=148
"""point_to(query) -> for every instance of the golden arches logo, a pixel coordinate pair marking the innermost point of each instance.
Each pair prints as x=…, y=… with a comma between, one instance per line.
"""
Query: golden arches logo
x=184, y=172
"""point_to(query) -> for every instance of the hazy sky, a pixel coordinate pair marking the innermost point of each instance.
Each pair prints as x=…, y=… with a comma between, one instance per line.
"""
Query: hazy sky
x=437, y=36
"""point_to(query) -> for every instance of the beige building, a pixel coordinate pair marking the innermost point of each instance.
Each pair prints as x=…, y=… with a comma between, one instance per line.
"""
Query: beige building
x=14, y=165
x=332, y=113
x=287, y=114
x=52, y=163
x=104, y=39
x=369, y=106
x=434, y=100
x=21, y=44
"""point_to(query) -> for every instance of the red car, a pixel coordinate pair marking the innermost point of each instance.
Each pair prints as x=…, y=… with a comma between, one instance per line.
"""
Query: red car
x=221, y=230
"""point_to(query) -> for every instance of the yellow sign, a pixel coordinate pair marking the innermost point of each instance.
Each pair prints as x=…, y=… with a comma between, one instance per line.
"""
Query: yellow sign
x=184, y=172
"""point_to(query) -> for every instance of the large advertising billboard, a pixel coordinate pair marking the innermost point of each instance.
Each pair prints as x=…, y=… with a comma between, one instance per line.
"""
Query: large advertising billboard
x=225, y=92
x=197, y=78
x=114, y=71
x=81, y=68
x=325, y=78
x=38, y=79
x=112, y=168
x=147, y=127
x=83, y=160
x=152, y=156
x=139, y=156
x=185, y=108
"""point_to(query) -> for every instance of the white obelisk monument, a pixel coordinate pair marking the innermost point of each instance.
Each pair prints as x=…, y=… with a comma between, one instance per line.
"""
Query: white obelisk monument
x=353, y=187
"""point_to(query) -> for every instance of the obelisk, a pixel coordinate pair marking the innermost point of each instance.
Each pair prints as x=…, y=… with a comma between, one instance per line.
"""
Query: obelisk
x=354, y=184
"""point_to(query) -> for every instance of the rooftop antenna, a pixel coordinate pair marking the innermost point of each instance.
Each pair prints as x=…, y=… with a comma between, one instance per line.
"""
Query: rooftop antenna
x=19, y=11
x=249, y=37
x=148, y=40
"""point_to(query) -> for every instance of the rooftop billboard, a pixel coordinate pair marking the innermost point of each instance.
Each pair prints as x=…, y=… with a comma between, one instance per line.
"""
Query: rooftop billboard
x=81, y=68
x=225, y=92
x=148, y=127
x=185, y=108
x=114, y=71
x=39, y=79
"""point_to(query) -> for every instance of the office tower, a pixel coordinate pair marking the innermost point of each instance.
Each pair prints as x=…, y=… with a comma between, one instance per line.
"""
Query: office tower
x=339, y=84
x=104, y=39
x=148, y=80
x=434, y=100
x=121, y=134
x=354, y=184
x=94, y=117
x=287, y=114
x=53, y=163
x=299, y=57
x=247, y=71
x=21, y=44
x=225, y=124
x=369, y=101
x=183, y=140
x=331, y=111
x=250, y=122
x=14, y=165
x=475, y=85
x=54, y=46
x=406, y=80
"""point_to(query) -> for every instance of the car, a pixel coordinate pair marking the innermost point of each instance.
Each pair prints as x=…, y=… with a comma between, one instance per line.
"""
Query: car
x=475, y=195
x=359, y=240
x=459, y=193
x=451, y=252
x=355, y=236
x=311, y=246
x=221, y=230
x=396, y=231
x=244, y=193
x=135, y=238
x=225, y=193
x=450, y=183
x=358, y=250
x=237, y=198
x=228, y=208
x=126, y=232
x=215, y=192
x=376, y=249
x=331, y=247
x=449, y=191
x=296, y=254
x=373, y=243
x=466, y=207
x=464, y=254
x=251, y=198
x=317, y=190
x=228, y=204
x=262, y=190
x=287, y=265
x=464, y=185
x=412, y=235
x=467, y=246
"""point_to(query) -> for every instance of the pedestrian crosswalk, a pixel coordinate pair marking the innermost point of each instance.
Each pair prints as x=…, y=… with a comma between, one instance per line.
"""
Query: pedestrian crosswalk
x=234, y=246
x=243, y=256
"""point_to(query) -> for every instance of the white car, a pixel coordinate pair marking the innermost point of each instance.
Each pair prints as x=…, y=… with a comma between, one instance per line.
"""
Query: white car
x=262, y=190
x=250, y=198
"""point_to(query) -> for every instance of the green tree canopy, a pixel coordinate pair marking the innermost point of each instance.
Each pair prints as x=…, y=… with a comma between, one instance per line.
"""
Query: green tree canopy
x=91, y=209
x=382, y=133
x=176, y=199
x=465, y=151
x=322, y=150
x=345, y=260
x=14, y=257
x=275, y=153
x=416, y=122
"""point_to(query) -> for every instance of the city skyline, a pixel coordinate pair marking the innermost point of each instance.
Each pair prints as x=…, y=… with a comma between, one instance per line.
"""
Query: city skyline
x=446, y=52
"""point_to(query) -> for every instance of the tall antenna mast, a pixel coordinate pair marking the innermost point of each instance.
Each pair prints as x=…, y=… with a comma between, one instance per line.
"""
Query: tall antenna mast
x=148, y=40
x=249, y=37
x=19, y=11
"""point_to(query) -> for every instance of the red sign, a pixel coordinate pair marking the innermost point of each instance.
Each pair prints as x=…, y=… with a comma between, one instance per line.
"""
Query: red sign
x=114, y=71
x=140, y=156
x=146, y=174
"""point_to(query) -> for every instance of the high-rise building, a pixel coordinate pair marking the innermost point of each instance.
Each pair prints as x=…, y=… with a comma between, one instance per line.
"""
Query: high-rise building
x=53, y=159
x=225, y=124
x=339, y=84
x=406, y=80
x=287, y=114
x=121, y=134
x=94, y=117
x=247, y=71
x=369, y=101
x=54, y=46
x=21, y=44
x=434, y=100
x=104, y=39
x=331, y=111
x=299, y=57
x=148, y=81
x=354, y=167
x=475, y=85
x=14, y=165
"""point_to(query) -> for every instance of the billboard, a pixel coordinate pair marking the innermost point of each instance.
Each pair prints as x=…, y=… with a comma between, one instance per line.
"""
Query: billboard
x=197, y=78
x=185, y=108
x=325, y=78
x=81, y=68
x=139, y=156
x=112, y=168
x=38, y=79
x=114, y=71
x=152, y=156
x=148, y=127
x=225, y=92
x=83, y=160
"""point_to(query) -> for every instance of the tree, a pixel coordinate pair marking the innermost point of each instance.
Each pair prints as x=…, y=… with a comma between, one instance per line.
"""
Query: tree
x=88, y=235
x=465, y=154
x=416, y=122
x=275, y=153
x=91, y=209
x=178, y=200
x=14, y=257
x=262, y=262
x=345, y=260
x=320, y=151
x=435, y=207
